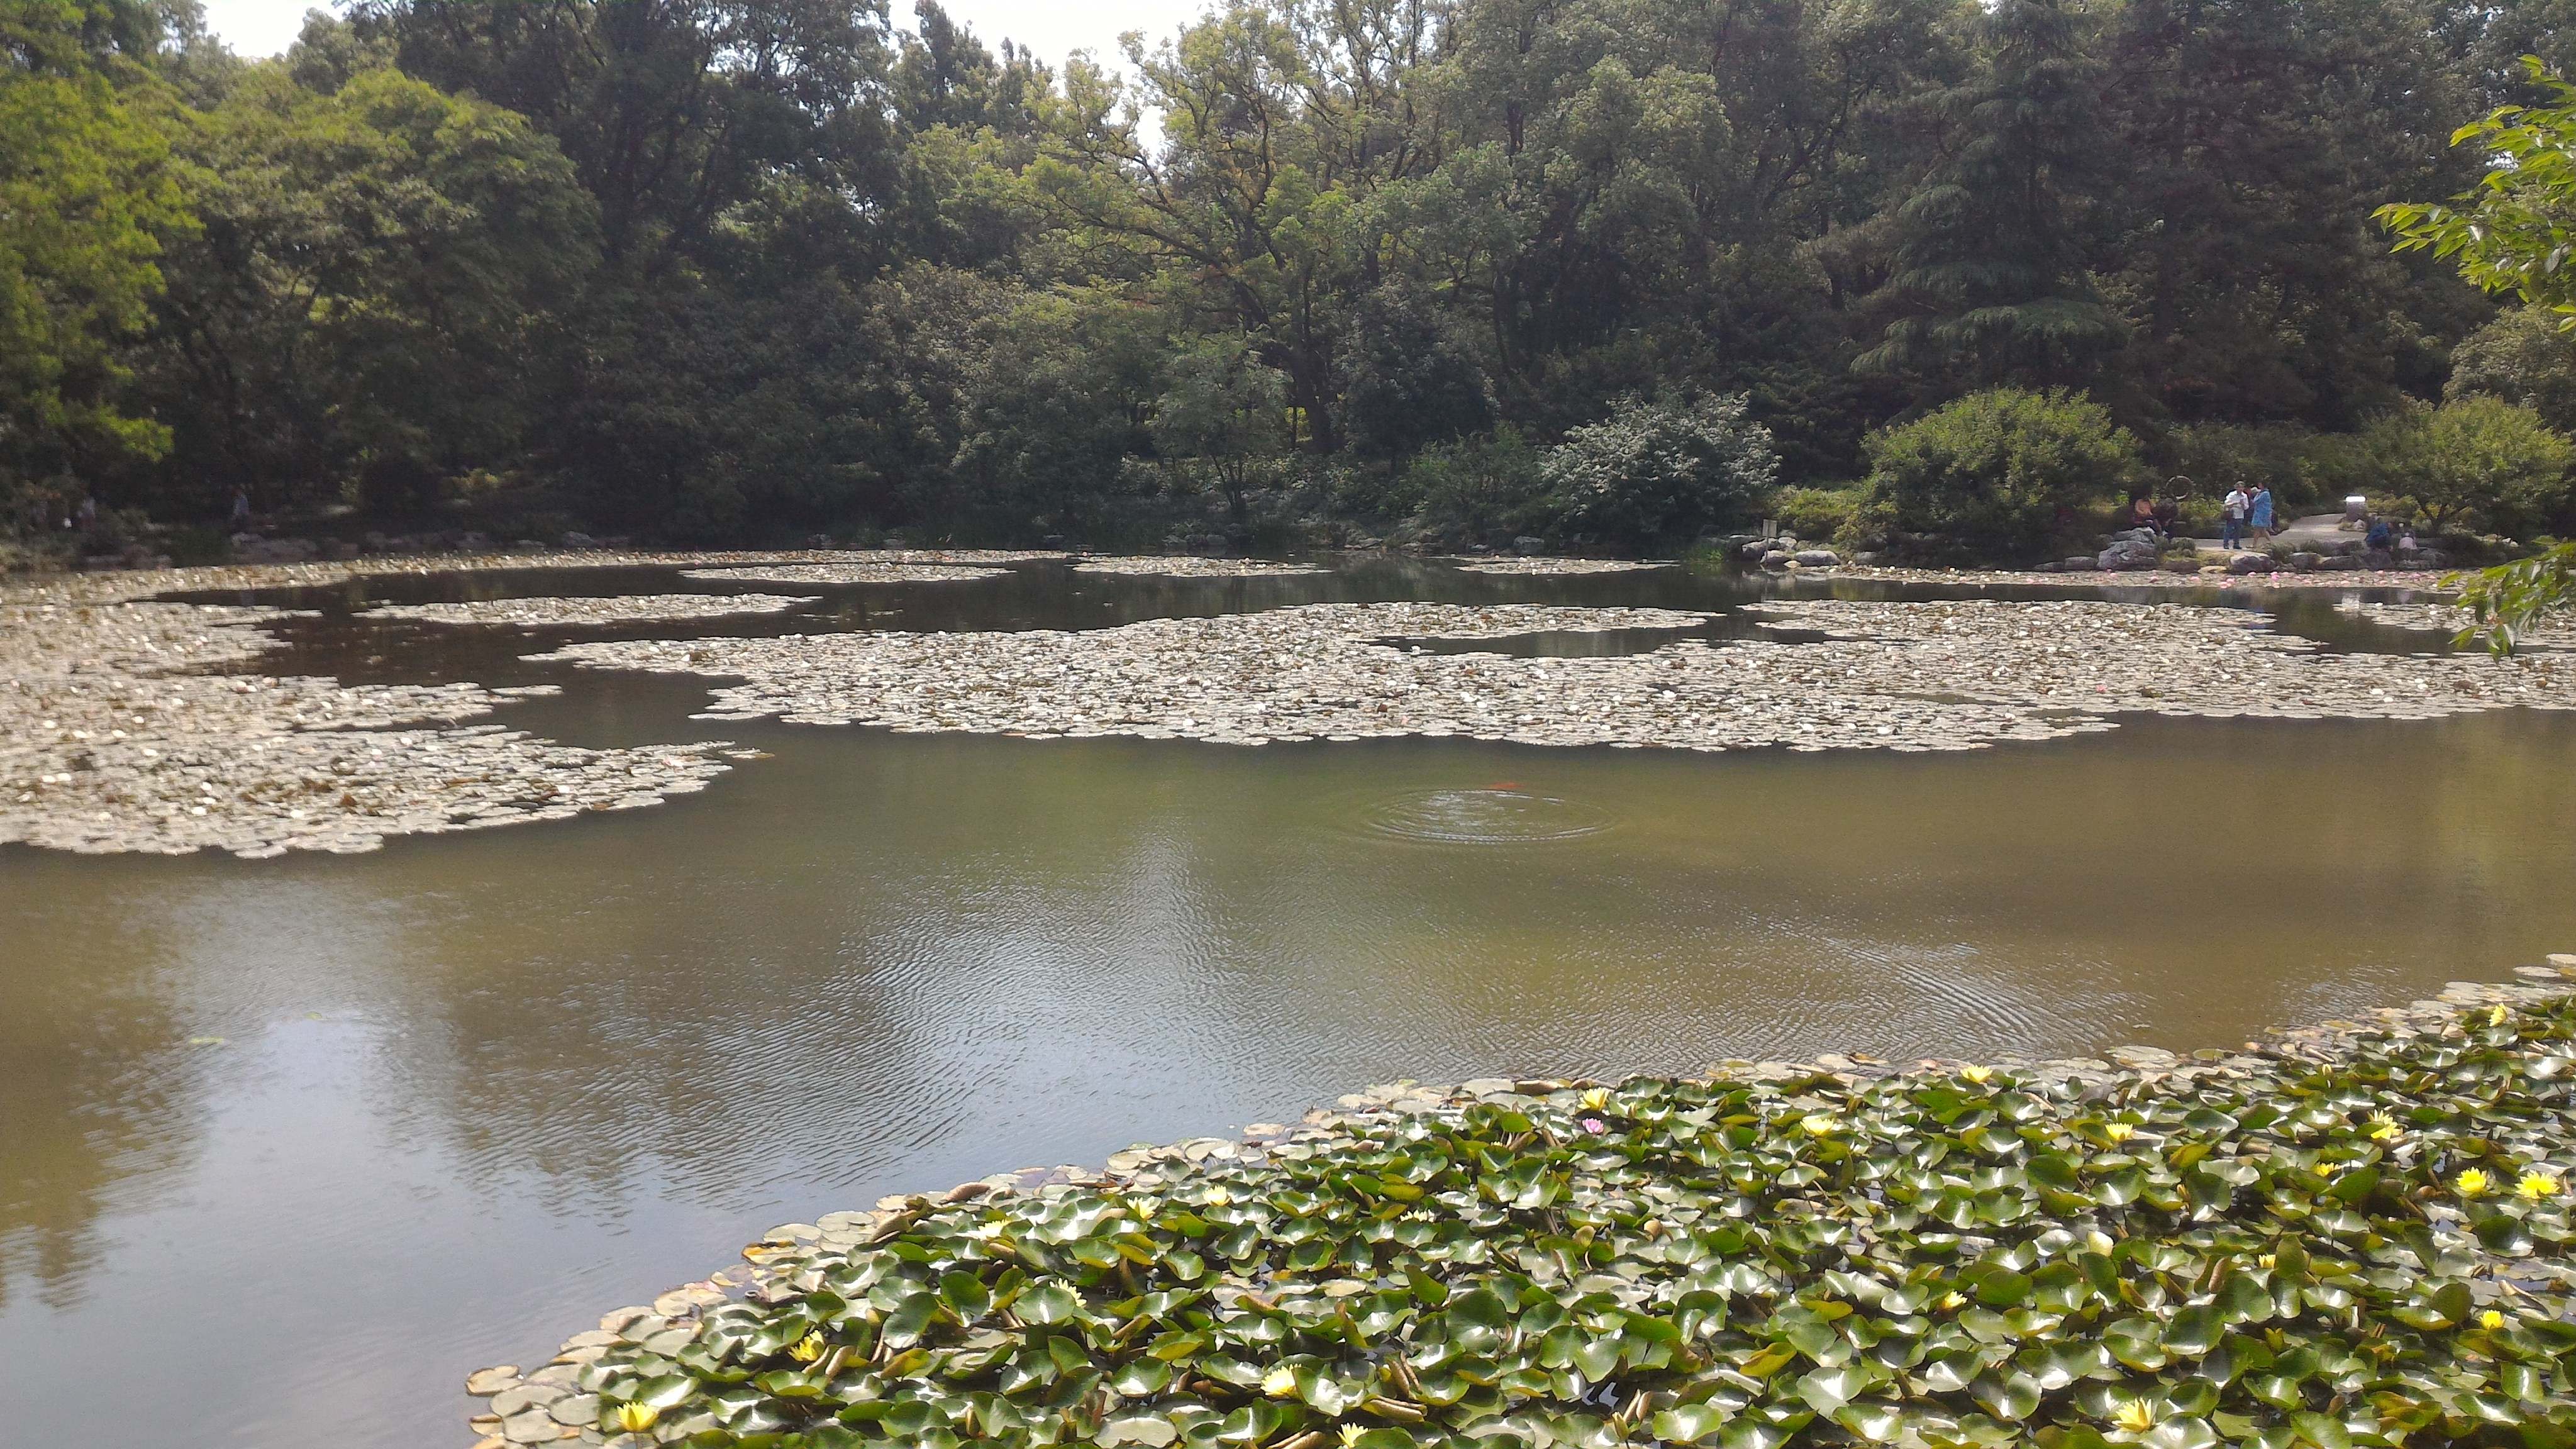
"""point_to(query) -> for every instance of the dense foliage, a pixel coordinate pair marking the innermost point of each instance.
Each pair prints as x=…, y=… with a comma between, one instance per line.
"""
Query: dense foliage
x=758, y=268
x=2003, y=469
x=2370, y=1251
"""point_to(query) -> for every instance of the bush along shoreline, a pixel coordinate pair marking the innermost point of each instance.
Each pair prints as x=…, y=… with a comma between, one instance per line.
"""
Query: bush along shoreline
x=2349, y=1235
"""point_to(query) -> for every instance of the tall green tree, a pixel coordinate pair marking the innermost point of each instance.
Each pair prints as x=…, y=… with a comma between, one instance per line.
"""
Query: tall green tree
x=373, y=295
x=88, y=197
x=1992, y=277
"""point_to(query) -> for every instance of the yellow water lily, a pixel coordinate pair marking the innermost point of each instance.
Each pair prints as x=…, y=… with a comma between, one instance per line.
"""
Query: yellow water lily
x=1597, y=1099
x=1978, y=1075
x=2118, y=1131
x=1351, y=1434
x=1951, y=1303
x=2134, y=1416
x=1217, y=1197
x=2490, y=1319
x=635, y=1418
x=2496, y=1014
x=807, y=1349
x=2382, y=1127
x=2472, y=1183
x=1820, y=1124
x=1280, y=1383
x=2537, y=1185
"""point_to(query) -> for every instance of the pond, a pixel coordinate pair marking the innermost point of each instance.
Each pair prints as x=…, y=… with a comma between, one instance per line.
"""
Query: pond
x=289, y=1146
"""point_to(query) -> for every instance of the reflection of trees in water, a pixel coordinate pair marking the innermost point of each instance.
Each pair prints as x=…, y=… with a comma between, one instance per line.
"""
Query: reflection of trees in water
x=100, y=1094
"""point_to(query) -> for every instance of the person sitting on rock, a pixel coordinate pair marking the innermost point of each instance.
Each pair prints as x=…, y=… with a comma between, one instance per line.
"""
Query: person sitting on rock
x=2142, y=512
x=2378, y=535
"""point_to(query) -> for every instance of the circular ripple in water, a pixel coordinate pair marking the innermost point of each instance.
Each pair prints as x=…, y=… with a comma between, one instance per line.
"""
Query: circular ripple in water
x=1486, y=817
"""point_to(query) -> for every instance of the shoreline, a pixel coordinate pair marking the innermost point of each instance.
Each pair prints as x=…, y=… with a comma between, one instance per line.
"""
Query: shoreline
x=559, y=1401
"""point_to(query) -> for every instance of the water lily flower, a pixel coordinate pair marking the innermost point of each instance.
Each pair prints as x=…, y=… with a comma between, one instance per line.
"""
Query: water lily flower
x=807, y=1349
x=1280, y=1383
x=635, y=1418
x=2382, y=1127
x=2472, y=1183
x=1350, y=1434
x=1594, y=1125
x=2490, y=1320
x=1978, y=1075
x=2119, y=1131
x=1820, y=1124
x=2496, y=1014
x=1951, y=1303
x=2134, y=1416
x=1218, y=1197
x=1597, y=1099
x=2537, y=1185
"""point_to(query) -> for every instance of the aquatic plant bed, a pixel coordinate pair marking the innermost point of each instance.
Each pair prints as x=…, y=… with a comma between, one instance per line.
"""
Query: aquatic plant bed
x=1905, y=676
x=1183, y=566
x=2350, y=1235
x=2450, y=619
x=847, y=573
x=113, y=738
x=1553, y=567
x=2420, y=580
x=615, y=609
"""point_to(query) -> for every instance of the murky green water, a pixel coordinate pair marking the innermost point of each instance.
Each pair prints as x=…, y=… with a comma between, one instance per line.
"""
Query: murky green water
x=289, y=1146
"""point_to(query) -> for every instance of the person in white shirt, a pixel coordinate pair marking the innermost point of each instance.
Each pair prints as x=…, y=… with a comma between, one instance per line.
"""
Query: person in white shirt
x=2231, y=517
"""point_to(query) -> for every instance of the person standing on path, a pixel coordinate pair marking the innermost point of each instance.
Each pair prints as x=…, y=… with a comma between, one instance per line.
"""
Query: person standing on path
x=2258, y=515
x=2231, y=517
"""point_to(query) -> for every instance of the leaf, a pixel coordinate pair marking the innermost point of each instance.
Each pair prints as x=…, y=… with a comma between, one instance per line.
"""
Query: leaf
x=1689, y=1423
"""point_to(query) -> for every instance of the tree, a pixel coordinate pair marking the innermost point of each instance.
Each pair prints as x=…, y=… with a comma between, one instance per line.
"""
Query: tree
x=2472, y=461
x=372, y=294
x=1997, y=470
x=88, y=198
x=1221, y=422
x=2516, y=232
x=1990, y=278
x=1659, y=469
x=2525, y=357
x=1411, y=383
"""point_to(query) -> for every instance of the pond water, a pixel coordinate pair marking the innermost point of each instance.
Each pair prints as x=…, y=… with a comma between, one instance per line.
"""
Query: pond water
x=287, y=1147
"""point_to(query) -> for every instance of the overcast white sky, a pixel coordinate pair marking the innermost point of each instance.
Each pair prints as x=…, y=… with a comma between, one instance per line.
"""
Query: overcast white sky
x=1050, y=27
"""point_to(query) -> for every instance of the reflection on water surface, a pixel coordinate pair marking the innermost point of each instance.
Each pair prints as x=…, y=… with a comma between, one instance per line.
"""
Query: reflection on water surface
x=299, y=1142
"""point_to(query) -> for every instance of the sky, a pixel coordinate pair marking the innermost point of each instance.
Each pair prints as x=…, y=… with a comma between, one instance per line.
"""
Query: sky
x=1050, y=27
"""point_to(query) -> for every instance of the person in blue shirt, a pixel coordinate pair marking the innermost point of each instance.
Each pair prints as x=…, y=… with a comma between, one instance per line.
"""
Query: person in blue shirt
x=2258, y=517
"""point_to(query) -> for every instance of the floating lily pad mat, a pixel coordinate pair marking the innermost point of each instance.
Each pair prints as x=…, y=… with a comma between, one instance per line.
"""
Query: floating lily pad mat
x=2354, y=1238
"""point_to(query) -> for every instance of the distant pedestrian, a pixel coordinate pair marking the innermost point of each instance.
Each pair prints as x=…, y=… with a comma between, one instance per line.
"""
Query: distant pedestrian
x=2142, y=513
x=241, y=509
x=2231, y=517
x=2258, y=515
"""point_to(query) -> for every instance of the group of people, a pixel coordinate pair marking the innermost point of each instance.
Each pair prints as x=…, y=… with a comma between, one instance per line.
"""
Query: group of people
x=2245, y=517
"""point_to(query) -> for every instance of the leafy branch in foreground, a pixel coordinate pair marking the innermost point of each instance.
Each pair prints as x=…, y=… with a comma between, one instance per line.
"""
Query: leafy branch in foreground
x=2514, y=232
x=2510, y=599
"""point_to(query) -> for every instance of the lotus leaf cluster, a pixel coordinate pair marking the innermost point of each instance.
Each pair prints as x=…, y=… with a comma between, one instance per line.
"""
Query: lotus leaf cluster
x=2370, y=1250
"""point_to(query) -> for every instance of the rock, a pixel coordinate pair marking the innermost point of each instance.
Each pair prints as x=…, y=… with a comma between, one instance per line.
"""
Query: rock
x=2305, y=561
x=1754, y=549
x=2251, y=563
x=1778, y=558
x=2340, y=563
x=1528, y=545
x=2083, y=563
x=1817, y=558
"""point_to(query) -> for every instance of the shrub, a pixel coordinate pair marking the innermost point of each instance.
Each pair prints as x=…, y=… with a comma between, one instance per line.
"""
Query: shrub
x=1659, y=468
x=1997, y=470
x=2478, y=461
x=1482, y=485
x=1817, y=513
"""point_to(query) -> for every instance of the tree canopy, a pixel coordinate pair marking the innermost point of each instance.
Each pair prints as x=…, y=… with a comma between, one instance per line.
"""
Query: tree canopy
x=753, y=269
